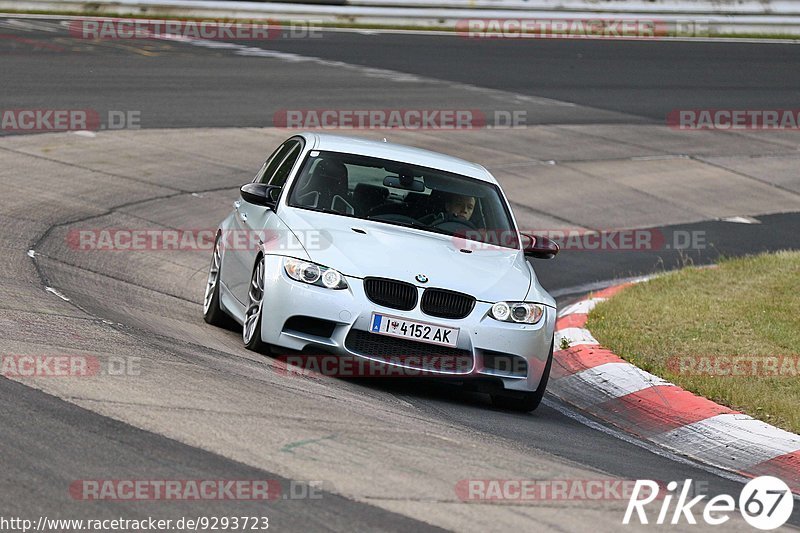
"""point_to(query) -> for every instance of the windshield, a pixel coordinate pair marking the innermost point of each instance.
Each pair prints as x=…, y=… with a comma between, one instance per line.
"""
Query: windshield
x=403, y=194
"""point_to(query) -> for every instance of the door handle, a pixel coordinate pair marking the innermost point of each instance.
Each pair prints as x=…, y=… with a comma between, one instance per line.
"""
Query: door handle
x=243, y=216
x=236, y=204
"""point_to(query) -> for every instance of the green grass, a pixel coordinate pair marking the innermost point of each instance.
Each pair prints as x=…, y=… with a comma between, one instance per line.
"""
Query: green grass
x=745, y=307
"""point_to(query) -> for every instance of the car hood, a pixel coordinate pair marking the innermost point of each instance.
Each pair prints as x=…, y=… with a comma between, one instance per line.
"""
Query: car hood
x=395, y=252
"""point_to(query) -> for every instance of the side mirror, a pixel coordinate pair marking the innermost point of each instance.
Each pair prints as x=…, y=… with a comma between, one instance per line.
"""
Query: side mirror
x=260, y=194
x=539, y=247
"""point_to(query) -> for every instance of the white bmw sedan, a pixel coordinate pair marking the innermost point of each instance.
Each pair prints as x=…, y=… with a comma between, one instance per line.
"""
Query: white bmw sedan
x=378, y=252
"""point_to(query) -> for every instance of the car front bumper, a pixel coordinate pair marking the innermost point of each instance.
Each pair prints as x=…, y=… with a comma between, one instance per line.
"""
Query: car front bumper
x=512, y=354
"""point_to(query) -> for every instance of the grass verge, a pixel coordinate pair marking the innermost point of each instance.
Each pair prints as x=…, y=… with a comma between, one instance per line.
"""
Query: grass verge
x=731, y=334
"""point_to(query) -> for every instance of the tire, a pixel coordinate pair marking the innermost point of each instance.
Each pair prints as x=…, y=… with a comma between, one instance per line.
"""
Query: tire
x=251, y=329
x=525, y=401
x=212, y=312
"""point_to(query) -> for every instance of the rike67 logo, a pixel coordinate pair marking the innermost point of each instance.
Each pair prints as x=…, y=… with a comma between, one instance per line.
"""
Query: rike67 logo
x=765, y=503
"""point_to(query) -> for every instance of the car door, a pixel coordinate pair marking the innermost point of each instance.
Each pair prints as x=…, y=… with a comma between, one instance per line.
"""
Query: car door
x=233, y=272
x=253, y=222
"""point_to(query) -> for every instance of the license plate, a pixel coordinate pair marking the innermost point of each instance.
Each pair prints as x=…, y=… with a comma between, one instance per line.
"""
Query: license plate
x=411, y=329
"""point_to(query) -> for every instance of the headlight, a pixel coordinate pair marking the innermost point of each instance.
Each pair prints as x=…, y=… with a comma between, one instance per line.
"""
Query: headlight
x=519, y=312
x=314, y=274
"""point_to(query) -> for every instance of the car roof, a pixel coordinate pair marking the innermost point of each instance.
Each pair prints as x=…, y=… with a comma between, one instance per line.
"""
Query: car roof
x=397, y=152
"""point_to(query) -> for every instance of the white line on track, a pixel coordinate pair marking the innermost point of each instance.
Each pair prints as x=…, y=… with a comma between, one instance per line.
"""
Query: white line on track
x=55, y=291
x=370, y=72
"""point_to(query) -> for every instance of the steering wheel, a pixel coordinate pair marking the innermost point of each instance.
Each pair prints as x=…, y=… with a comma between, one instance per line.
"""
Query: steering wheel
x=450, y=220
x=395, y=217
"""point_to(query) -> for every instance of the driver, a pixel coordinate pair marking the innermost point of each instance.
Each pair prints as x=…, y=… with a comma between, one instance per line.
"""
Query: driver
x=459, y=205
x=458, y=208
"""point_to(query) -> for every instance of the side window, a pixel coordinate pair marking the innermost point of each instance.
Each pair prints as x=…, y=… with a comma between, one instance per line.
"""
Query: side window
x=260, y=173
x=280, y=175
x=272, y=162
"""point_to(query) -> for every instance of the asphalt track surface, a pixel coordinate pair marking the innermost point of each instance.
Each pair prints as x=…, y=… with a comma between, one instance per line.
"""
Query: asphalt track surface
x=48, y=442
x=174, y=85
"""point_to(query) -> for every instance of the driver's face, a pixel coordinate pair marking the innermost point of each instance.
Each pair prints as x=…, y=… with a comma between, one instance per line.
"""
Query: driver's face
x=461, y=206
